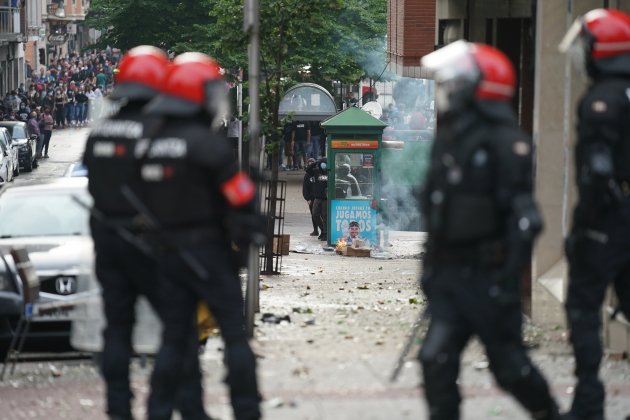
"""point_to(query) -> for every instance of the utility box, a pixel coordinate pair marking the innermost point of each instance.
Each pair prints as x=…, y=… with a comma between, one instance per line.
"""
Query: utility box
x=353, y=145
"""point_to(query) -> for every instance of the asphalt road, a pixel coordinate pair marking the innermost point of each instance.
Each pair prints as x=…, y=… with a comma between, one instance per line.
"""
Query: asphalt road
x=66, y=147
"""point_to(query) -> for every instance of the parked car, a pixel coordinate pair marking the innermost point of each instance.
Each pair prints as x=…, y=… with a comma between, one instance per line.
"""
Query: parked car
x=5, y=138
x=46, y=220
x=6, y=157
x=24, y=141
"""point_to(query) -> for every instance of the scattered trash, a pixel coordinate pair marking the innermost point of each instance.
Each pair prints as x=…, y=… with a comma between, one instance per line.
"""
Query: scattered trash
x=270, y=318
x=481, y=365
x=265, y=286
x=363, y=287
x=54, y=371
x=413, y=300
x=570, y=390
x=310, y=322
x=302, y=310
x=495, y=411
x=84, y=402
x=275, y=403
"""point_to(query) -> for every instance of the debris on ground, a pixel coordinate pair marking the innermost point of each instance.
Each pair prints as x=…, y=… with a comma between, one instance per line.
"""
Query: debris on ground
x=270, y=318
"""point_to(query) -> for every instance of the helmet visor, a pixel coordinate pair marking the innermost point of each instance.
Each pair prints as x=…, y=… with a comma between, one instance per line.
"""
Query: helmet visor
x=574, y=45
x=455, y=72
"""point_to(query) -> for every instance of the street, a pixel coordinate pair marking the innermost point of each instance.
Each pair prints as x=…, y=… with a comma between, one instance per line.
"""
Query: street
x=331, y=360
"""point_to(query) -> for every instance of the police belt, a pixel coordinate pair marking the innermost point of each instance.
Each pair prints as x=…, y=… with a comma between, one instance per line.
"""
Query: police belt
x=485, y=254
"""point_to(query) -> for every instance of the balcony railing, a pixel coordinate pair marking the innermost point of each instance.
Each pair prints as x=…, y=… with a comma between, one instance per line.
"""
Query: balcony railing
x=9, y=20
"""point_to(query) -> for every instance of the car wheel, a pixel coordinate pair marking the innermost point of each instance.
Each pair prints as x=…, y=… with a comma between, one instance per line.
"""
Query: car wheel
x=28, y=165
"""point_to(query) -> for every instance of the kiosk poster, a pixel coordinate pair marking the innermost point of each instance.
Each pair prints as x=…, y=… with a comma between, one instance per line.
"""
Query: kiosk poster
x=345, y=211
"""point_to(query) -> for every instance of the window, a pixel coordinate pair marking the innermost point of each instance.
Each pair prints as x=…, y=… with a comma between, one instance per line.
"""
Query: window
x=354, y=175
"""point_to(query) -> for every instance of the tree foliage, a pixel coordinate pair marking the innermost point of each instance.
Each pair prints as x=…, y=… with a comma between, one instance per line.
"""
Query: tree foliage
x=126, y=24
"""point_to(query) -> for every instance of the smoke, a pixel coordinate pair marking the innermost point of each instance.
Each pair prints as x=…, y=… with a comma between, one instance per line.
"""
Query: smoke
x=403, y=173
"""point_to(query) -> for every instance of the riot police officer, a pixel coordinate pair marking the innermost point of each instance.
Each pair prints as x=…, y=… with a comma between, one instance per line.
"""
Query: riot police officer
x=124, y=268
x=320, y=198
x=481, y=221
x=200, y=201
x=598, y=247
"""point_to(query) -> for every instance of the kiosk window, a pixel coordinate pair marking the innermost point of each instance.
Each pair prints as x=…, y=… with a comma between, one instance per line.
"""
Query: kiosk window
x=354, y=175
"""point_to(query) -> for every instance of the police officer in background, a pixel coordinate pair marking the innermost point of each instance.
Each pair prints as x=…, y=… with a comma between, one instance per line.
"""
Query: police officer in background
x=320, y=198
x=481, y=222
x=124, y=268
x=192, y=188
x=598, y=247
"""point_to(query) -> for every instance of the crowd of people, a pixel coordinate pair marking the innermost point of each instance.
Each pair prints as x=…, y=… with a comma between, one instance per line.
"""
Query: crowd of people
x=63, y=94
x=67, y=88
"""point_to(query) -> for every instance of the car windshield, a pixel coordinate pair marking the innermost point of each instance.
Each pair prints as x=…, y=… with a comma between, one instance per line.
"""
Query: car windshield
x=44, y=214
x=18, y=132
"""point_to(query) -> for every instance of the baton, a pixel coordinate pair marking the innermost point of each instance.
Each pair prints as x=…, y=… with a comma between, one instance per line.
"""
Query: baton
x=420, y=322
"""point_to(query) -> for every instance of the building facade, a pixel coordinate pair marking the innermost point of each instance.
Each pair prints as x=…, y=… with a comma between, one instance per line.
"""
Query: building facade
x=31, y=31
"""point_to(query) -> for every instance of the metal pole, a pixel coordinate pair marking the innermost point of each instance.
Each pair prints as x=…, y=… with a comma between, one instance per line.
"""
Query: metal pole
x=252, y=24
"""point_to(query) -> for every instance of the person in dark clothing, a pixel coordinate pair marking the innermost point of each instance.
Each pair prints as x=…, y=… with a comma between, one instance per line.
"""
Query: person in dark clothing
x=307, y=191
x=191, y=184
x=320, y=198
x=481, y=222
x=124, y=269
x=598, y=246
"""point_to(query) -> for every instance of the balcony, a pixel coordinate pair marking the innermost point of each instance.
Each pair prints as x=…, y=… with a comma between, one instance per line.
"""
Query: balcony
x=10, y=24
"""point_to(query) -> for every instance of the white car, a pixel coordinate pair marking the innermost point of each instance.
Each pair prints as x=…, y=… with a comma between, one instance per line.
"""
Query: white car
x=8, y=159
x=49, y=220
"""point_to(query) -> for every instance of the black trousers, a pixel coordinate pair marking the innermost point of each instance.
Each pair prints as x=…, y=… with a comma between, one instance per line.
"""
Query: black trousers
x=314, y=220
x=125, y=274
x=461, y=306
x=320, y=213
x=222, y=293
x=599, y=256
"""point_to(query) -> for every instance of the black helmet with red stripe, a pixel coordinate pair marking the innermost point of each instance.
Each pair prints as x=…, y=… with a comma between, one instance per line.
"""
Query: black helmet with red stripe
x=600, y=40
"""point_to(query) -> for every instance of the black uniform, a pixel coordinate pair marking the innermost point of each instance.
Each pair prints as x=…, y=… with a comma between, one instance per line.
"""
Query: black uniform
x=189, y=177
x=598, y=247
x=123, y=270
x=481, y=221
x=320, y=202
x=307, y=193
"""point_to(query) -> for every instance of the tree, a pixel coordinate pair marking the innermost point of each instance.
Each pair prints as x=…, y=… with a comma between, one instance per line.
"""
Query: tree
x=340, y=40
x=126, y=24
x=334, y=39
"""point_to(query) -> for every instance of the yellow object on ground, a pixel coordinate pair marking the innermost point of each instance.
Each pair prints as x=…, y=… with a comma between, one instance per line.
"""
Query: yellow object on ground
x=206, y=324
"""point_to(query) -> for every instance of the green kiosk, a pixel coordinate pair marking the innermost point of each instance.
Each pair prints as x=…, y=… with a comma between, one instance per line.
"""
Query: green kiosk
x=353, y=145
